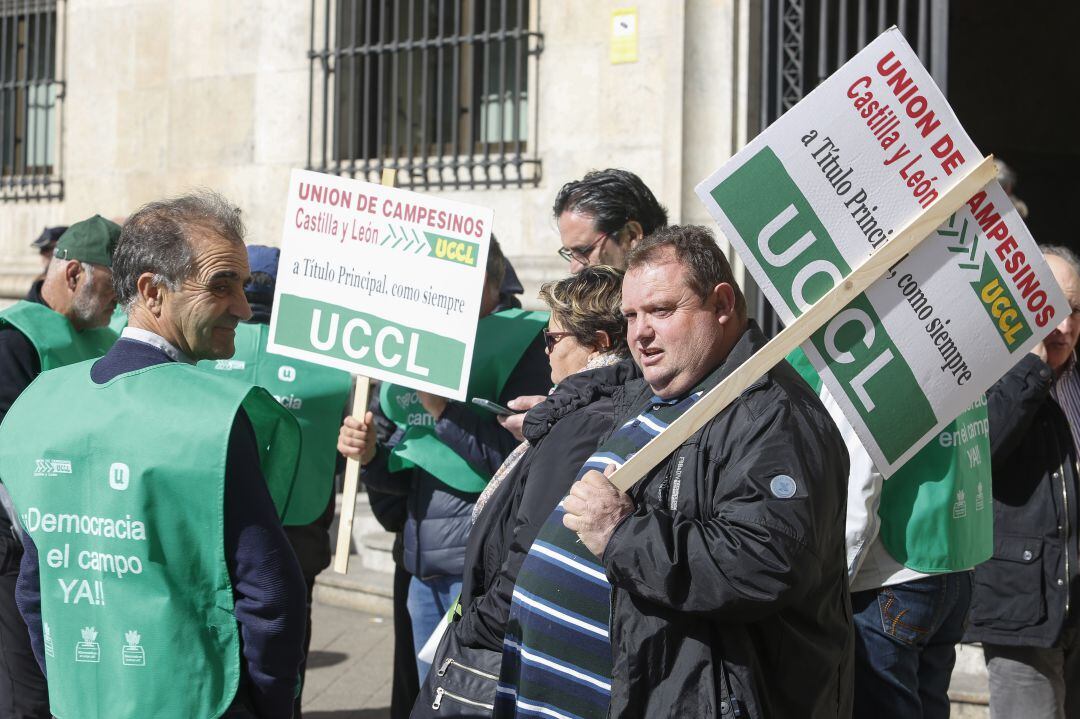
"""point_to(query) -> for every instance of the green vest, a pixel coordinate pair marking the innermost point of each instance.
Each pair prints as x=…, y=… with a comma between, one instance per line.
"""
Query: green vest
x=56, y=341
x=501, y=340
x=124, y=501
x=315, y=395
x=936, y=511
x=118, y=321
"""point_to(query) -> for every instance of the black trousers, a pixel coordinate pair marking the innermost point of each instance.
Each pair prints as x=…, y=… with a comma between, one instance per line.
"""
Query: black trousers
x=23, y=692
x=406, y=680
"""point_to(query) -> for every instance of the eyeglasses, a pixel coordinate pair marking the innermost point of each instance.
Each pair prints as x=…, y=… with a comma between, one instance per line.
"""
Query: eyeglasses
x=581, y=254
x=552, y=338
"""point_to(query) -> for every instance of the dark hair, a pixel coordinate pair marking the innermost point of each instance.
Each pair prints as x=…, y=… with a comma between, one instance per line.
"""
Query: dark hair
x=612, y=198
x=495, y=272
x=587, y=303
x=157, y=239
x=696, y=250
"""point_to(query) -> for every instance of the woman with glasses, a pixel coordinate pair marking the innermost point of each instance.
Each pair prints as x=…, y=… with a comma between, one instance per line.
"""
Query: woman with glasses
x=586, y=345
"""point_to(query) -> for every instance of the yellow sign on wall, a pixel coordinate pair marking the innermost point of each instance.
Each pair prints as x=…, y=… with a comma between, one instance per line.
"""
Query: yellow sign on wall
x=624, y=35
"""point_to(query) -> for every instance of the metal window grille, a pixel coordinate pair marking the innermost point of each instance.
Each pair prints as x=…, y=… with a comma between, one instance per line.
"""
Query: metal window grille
x=29, y=91
x=435, y=89
x=805, y=41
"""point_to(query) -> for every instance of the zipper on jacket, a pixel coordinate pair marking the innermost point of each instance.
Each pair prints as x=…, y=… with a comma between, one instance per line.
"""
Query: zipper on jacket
x=1068, y=533
x=450, y=660
x=440, y=693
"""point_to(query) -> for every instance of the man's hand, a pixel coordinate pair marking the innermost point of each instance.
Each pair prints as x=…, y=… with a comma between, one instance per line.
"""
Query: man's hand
x=433, y=403
x=513, y=423
x=356, y=439
x=594, y=508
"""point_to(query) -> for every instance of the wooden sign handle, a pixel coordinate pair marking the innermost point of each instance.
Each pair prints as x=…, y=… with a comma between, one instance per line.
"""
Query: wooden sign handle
x=361, y=392
x=720, y=396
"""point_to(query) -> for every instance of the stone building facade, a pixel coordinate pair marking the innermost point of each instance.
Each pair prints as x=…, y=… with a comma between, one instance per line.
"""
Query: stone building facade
x=156, y=97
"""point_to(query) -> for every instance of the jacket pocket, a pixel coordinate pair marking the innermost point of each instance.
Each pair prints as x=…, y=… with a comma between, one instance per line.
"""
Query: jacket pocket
x=1009, y=591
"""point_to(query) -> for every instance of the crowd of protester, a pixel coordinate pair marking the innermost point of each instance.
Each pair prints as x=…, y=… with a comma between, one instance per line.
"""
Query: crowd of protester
x=754, y=572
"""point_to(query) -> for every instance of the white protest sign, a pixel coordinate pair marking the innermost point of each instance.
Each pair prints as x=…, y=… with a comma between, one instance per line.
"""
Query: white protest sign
x=380, y=282
x=811, y=197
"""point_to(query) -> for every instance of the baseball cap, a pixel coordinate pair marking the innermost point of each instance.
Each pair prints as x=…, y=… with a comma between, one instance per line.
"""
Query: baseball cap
x=48, y=237
x=91, y=240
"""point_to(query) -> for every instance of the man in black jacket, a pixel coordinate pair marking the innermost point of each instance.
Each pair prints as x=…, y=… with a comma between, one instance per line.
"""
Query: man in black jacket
x=726, y=562
x=1023, y=608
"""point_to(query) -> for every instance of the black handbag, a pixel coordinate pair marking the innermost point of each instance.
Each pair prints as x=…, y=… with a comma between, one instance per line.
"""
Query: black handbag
x=461, y=682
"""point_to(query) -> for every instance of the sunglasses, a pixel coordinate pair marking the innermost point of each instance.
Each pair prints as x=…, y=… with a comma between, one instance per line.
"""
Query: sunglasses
x=552, y=338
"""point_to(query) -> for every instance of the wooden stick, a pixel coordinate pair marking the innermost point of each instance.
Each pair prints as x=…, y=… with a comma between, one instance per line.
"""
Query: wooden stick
x=361, y=393
x=720, y=396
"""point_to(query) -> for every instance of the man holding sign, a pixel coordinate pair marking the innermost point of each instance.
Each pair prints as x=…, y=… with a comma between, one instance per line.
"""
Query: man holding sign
x=726, y=562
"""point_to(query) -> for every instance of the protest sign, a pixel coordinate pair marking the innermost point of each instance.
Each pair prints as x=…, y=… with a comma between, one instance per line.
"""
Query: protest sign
x=380, y=282
x=813, y=196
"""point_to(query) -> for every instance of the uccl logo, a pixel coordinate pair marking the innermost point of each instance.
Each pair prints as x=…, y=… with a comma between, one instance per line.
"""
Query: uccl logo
x=51, y=467
x=453, y=250
x=994, y=295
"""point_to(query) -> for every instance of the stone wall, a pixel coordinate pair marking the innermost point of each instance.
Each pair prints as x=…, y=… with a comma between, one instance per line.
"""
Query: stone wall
x=165, y=96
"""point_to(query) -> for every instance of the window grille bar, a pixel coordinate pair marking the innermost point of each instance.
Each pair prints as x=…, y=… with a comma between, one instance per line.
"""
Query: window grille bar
x=29, y=89
x=440, y=94
x=436, y=89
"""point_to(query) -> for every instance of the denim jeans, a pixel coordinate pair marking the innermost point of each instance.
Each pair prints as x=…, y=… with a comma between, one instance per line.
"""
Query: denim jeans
x=905, y=646
x=429, y=601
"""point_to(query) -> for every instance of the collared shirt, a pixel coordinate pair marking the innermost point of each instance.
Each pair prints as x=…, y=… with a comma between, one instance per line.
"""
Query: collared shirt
x=1066, y=391
x=155, y=340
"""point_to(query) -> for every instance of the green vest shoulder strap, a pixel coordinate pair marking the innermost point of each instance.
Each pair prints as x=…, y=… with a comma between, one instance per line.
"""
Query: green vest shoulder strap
x=127, y=513
x=315, y=395
x=56, y=341
x=501, y=340
x=936, y=511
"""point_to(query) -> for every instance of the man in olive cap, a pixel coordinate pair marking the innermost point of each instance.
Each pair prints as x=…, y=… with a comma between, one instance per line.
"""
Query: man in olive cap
x=61, y=321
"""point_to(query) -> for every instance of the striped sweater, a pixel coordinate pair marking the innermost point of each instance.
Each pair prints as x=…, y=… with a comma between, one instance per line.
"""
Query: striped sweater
x=557, y=651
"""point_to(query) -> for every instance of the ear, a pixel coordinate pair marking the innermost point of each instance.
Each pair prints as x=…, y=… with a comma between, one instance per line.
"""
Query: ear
x=152, y=294
x=634, y=233
x=71, y=273
x=724, y=296
x=603, y=341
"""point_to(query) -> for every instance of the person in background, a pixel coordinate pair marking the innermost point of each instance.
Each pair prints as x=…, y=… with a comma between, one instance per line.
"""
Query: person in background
x=1024, y=604
x=586, y=344
x=61, y=321
x=443, y=479
x=317, y=397
x=600, y=217
x=46, y=243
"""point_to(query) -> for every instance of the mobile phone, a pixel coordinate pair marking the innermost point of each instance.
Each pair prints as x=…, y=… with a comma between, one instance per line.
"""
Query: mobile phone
x=493, y=406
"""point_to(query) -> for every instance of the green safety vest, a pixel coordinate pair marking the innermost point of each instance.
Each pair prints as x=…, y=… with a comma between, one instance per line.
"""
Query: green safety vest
x=936, y=511
x=124, y=499
x=315, y=395
x=501, y=340
x=56, y=341
x=118, y=321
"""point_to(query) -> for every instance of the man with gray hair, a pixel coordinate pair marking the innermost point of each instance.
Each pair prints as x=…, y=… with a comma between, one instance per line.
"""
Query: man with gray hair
x=1024, y=603
x=157, y=576
x=62, y=320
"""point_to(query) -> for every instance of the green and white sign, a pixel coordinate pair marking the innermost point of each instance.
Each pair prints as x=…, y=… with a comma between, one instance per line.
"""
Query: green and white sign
x=812, y=197
x=380, y=282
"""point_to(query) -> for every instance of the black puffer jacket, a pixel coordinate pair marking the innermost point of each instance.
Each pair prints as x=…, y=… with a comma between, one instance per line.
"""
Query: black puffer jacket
x=1022, y=593
x=563, y=431
x=439, y=516
x=725, y=589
